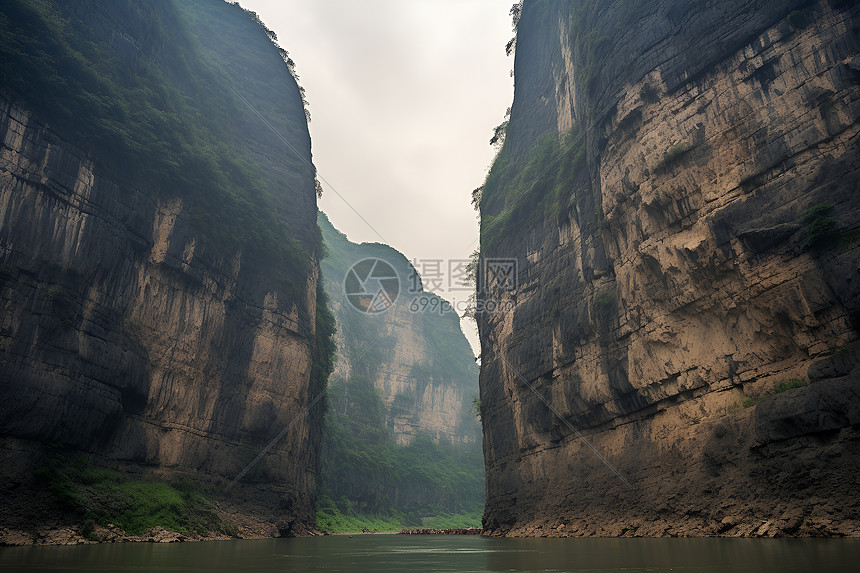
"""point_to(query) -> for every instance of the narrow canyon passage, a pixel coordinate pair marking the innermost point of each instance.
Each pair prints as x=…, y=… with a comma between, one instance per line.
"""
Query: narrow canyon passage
x=567, y=268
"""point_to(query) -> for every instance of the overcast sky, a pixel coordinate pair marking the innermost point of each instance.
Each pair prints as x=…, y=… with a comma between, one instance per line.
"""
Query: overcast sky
x=404, y=95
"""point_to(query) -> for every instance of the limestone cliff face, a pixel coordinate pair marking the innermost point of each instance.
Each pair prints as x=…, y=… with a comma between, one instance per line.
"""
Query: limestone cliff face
x=128, y=332
x=690, y=247
x=418, y=360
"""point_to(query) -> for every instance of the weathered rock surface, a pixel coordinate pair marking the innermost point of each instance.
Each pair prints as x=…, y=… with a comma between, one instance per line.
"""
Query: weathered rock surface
x=415, y=354
x=706, y=251
x=125, y=334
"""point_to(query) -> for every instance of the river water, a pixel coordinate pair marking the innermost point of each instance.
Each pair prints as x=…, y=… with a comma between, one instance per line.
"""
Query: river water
x=413, y=554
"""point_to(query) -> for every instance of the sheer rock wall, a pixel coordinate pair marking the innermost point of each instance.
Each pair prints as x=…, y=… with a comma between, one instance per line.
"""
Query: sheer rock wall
x=682, y=276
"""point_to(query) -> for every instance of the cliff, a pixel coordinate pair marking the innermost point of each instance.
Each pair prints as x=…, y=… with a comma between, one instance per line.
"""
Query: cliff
x=159, y=253
x=419, y=360
x=401, y=445
x=678, y=185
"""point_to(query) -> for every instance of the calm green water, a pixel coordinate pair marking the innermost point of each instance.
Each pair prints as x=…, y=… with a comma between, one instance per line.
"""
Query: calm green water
x=412, y=554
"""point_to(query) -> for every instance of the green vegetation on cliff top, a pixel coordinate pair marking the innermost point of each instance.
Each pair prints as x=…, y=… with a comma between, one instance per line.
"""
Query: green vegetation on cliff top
x=128, y=83
x=534, y=183
x=520, y=192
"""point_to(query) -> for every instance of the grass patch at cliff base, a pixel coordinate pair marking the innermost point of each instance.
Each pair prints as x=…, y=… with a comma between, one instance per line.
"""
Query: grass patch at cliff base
x=340, y=517
x=102, y=496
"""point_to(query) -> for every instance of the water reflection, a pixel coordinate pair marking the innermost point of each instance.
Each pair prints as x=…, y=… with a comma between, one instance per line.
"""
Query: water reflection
x=412, y=554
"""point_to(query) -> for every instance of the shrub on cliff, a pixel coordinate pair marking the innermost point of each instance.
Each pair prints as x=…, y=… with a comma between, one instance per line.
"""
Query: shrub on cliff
x=778, y=389
x=818, y=225
x=797, y=19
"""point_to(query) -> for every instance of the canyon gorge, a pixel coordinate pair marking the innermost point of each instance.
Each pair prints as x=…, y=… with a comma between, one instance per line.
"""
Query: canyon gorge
x=675, y=352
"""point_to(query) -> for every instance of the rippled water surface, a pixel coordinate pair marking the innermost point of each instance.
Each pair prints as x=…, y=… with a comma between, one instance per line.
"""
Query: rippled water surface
x=407, y=554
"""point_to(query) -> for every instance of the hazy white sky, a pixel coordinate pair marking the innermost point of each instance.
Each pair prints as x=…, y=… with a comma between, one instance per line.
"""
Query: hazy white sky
x=404, y=95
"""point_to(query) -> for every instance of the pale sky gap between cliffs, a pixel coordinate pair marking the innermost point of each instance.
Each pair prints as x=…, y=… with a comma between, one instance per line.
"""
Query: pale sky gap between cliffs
x=319, y=396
